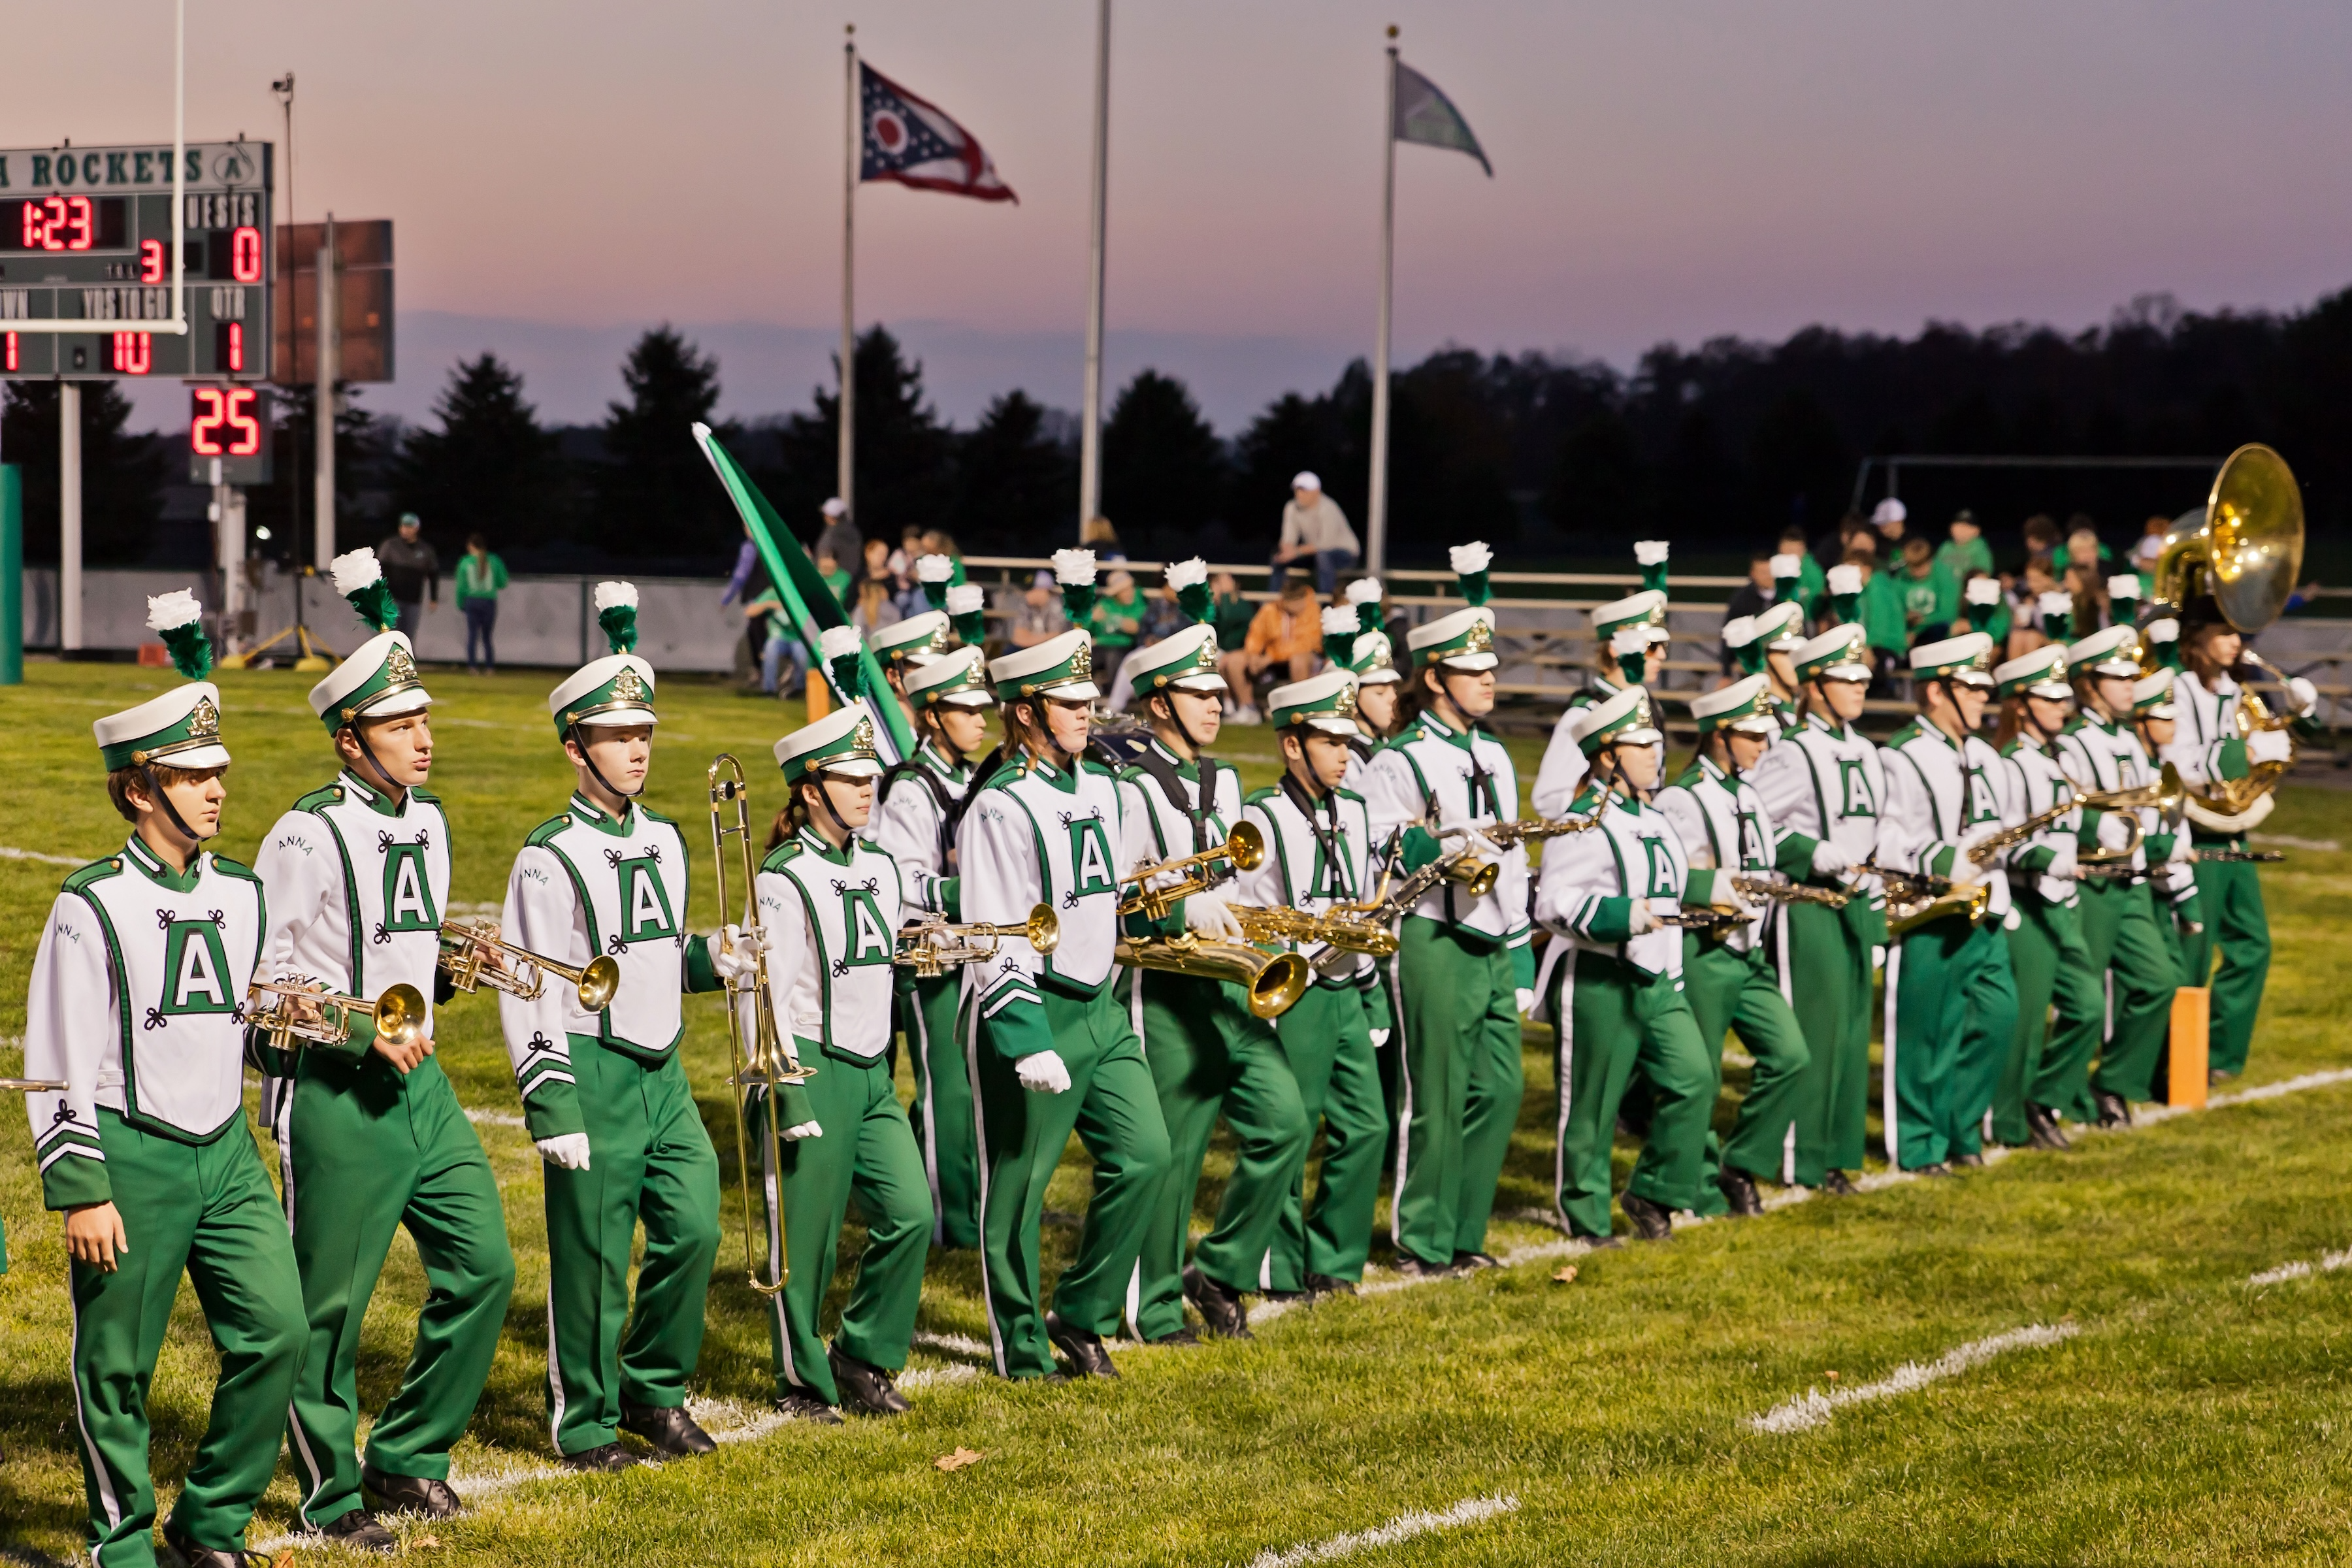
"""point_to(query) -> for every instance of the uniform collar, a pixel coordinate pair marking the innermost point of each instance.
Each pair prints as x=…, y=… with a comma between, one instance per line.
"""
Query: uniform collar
x=143, y=858
x=1834, y=731
x=815, y=843
x=375, y=799
x=597, y=817
x=1184, y=770
x=1038, y=768
x=1437, y=728
x=931, y=756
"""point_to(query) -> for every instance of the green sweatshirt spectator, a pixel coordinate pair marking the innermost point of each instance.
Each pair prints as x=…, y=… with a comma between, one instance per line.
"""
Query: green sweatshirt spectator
x=479, y=576
x=1931, y=598
x=1965, y=551
x=1882, y=612
x=1230, y=613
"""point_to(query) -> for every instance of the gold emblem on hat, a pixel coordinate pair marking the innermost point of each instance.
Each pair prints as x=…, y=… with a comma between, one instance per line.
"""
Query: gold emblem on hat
x=861, y=739
x=398, y=667
x=629, y=687
x=203, y=724
x=1082, y=663
x=1480, y=638
x=1344, y=706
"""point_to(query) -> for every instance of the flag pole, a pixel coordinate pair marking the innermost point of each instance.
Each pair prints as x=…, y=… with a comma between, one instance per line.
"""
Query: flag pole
x=1376, y=513
x=844, y=481
x=1090, y=416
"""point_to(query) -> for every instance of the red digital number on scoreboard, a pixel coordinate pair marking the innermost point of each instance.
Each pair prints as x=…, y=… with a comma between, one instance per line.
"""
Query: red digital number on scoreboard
x=153, y=268
x=134, y=352
x=244, y=255
x=60, y=222
x=225, y=424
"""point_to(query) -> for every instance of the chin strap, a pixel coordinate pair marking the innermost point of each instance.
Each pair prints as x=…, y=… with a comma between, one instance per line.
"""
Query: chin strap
x=825, y=794
x=171, y=812
x=358, y=739
x=1167, y=701
x=574, y=735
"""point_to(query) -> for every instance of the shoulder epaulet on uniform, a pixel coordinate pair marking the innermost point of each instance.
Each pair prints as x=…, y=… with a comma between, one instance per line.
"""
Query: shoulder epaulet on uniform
x=426, y=796
x=96, y=871
x=2076, y=725
x=1260, y=796
x=2013, y=748
x=1906, y=735
x=1004, y=773
x=546, y=830
x=1348, y=795
x=1586, y=799
x=228, y=867
x=324, y=795
x=1693, y=776
x=789, y=849
x=1088, y=765
x=650, y=815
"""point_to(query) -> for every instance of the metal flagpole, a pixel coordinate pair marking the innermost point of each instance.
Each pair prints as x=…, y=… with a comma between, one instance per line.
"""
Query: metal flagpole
x=846, y=481
x=1090, y=416
x=1376, y=513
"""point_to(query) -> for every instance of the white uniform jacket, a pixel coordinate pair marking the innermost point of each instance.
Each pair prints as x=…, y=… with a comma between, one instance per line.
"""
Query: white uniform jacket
x=832, y=918
x=2036, y=783
x=1590, y=882
x=1942, y=794
x=1319, y=853
x=1037, y=834
x=1431, y=769
x=1720, y=813
x=2103, y=756
x=911, y=817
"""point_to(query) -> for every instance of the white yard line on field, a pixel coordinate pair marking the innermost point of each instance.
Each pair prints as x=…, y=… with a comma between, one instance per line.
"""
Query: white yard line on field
x=1472, y=1511
x=1812, y=1407
x=2327, y=1264
x=2289, y=841
x=494, y=1118
x=10, y=852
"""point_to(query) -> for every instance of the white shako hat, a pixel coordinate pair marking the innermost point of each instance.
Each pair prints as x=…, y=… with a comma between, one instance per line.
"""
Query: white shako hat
x=379, y=679
x=1181, y=661
x=1325, y=701
x=180, y=729
x=840, y=742
x=2152, y=696
x=2112, y=650
x=1646, y=609
x=1840, y=653
x=913, y=640
x=1744, y=705
x=957, y=679
x=1464, y=639
x=2042, y=673
x=1967, y=658
x=1781, y=625
x=1623, y=719
x=1062, y=667
x=617, y=689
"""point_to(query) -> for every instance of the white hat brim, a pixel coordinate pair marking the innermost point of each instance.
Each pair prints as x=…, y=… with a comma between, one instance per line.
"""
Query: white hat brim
x=1381, y=676
x=408, y=700
x=970, y=697
x=212, y=756
x=848, y=767
x=1329, y=725
x=1470, y=662
x=614, y=716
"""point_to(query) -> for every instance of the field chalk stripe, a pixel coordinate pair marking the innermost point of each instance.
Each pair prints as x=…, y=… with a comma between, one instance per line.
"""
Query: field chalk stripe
x=1402, y=1528
x=9, y=852
x=2298, y=1271
x=1812, y=1409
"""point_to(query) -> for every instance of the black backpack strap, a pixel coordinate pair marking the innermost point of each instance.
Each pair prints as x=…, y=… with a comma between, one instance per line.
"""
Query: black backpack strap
x=946, y=803
x=1172, y=784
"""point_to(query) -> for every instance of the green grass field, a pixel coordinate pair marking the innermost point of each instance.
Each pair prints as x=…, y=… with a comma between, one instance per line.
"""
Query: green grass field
x=2190, y=1417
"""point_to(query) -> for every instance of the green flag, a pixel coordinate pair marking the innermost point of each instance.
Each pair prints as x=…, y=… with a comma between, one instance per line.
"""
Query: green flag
x=807, y=601
x=1425, y=115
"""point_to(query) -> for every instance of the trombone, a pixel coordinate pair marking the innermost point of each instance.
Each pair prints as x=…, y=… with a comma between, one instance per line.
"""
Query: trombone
x=475, y=955
x=930, y=946
x=1244, y=848
x=300, y=1009
x=766, y=1057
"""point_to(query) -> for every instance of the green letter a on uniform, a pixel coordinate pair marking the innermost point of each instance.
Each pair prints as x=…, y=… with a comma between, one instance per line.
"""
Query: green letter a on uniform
x=407, y=892
x=1090, y=857
x=196, y=971
x=863, y=931
x=644, y=903
x=1854, y=786
x=1662, y=871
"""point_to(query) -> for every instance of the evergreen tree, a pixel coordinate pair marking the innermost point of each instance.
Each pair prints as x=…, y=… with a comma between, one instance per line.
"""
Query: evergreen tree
x=1016, y=484
x=656, y=496
x=1329, y=436
x=122, y=474
x=488, y=468
x=1164, y=470
x=905, y=473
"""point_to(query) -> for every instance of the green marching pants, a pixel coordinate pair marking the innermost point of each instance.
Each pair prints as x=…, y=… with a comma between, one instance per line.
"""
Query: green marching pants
x=1824, y=962
x=1611, y=1020
x=649, y=1158
x=1327, y=1038
x=365, y=1152
x=205, y=1208
x=2119, y=931
x=1210, y=1055
x=1730, y=990
x=942, y=1114
x=2231, y=892
x=866, y=1152
x=1951, y=1015
x=1110, y=1104
x=1463, y=1084
x=2053, y=973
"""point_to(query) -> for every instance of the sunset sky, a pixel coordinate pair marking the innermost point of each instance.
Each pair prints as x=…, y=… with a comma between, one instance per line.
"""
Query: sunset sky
x=562, y=175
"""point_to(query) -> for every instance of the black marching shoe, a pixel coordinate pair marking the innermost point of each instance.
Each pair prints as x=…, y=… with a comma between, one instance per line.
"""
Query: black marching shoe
x=603, y=1456
x=1182, y=1339
x=188, y=1554
x=1471, y=1262
x=1083, y=1346
x=668, y=1428
x=2114, y=1110
x=1600, y=1243
x=803, y=1405
x=1321, y=1285
x=1290, y=1298
x=358, y=1530
x=1412, y=1268
x=1938, y=1169
x=1221, y=1309
x=1968, y=1162
x=1739, y=1192
x=1655, y=1222
x=865, y=1388
x=409, y=1494
x=2043, y=1122
x=1835, y=1183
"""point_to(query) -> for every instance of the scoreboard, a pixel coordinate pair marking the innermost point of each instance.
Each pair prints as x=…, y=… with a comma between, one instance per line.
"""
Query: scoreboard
x=86, y=235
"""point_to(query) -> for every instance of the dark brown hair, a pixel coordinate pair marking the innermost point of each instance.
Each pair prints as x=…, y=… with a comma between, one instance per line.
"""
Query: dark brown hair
x=119, y=783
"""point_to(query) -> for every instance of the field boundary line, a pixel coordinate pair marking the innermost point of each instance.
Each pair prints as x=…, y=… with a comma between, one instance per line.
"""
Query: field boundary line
x=2327, y=1264
x=1404, y=1527
x=1813, y=1408
x=10, y=852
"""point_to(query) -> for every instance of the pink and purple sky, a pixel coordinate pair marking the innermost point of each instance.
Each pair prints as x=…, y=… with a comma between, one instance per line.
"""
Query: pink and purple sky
x=563, y=175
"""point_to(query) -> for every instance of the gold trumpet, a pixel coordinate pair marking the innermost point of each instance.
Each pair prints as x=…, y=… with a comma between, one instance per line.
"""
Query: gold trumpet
x=1273, y=981
x=929, y=946
x=475, y=955
x=765, y=1060
x=1786, y=892
x=1347, y=932
x=301, y=1009
x=2168, y=794
x=1905, y=916
x=1244, y=847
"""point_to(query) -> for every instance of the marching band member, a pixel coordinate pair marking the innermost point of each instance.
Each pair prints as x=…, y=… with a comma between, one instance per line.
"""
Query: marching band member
x=603, y=1094
x=1318, y=839
x=1762, y=644
x=1366, y=652
x=1210, y=1056
x=906, y=645
x=2100, y=753
x=1727, y=978
x=2046, y=1060
x=1616, y=988
x=1050, y=1048
x=137, y=1007
x=913, y=824
x=371, y=1137
x=830, y=904
x=1951, y=998
x=1625, y=633
x=2172, y=873
x=1462, y=960
x=1824, y=785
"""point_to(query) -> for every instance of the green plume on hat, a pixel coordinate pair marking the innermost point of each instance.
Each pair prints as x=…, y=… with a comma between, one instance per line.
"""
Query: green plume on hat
x=2057, y=615
x=2164, y=636
x=1471, y=562
x=1845, y=593
x=1788, y=571
x=1074, y=571
x=1749, y=653
x=1630, y=648
x=178, y=619
x=1984, y=601
x=1651, y=553
x=1189, y=579
x=964, y=604
x=936, y=574
x=616, y=611
x=843, y=651
x=359, y=577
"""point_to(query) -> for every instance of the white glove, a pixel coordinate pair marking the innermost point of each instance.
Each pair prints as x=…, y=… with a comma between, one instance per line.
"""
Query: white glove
x=1379, y=1039
x=1043, y=1073
x=1877, y=958
x=803, y=1129
x=2269, y=746
x=1642, y=920
x=2115, y=831
x=1966, y=872
x=1829, y=860
x=2063, y=864
x=1209, y=913
x=2304, y=695
x=1526, y=1001
x=568, y=1150
x=736, y=954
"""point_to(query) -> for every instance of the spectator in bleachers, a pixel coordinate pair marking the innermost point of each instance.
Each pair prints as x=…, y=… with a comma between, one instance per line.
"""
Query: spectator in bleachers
x=479, y=578
x=1890, y=518
x=1039, y=615
x=1930, y=597
x=1965, y=553
x=2025, y=605
x=1285, y=639
x=2041, y=537
x=1750, y=596
x=1314, y=528
x=839, y=537
x=1117, y=623
x=1097, y=535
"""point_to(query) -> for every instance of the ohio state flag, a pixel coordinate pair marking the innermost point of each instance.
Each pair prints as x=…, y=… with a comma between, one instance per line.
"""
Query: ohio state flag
x=914, y=143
